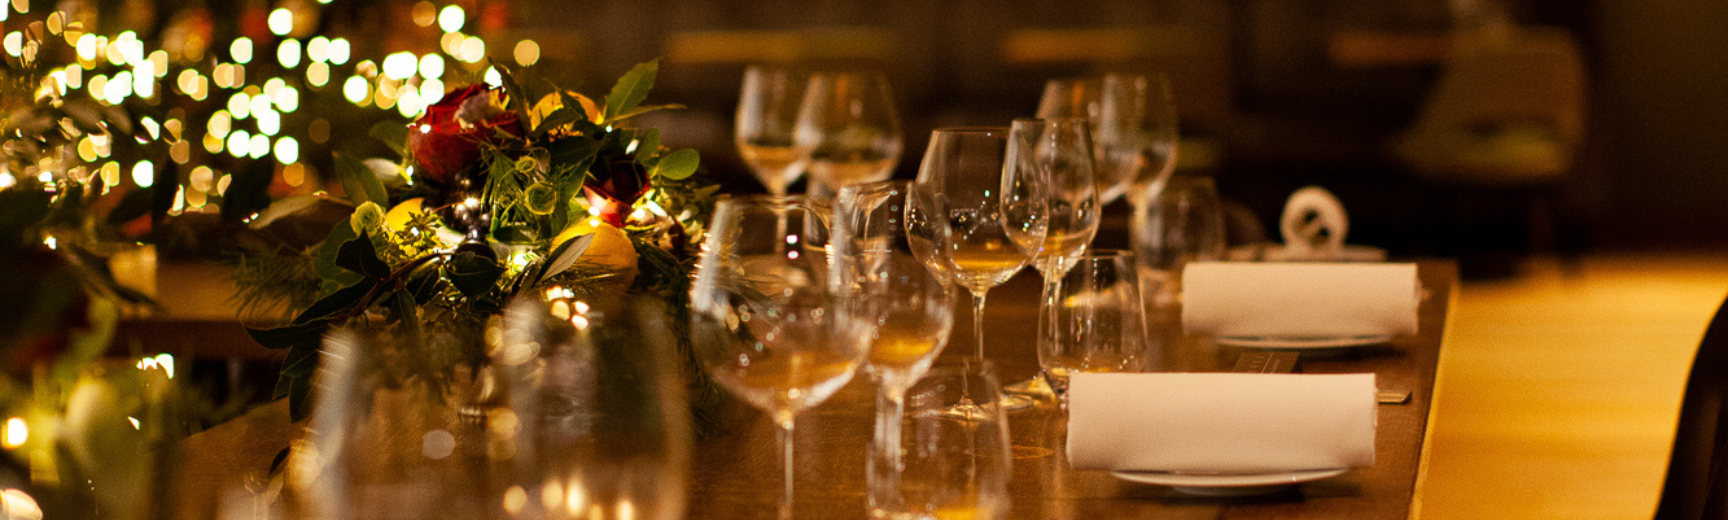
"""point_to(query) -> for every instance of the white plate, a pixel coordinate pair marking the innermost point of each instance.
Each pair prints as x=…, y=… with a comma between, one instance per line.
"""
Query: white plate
x=1226, y=484
x=1303, y=342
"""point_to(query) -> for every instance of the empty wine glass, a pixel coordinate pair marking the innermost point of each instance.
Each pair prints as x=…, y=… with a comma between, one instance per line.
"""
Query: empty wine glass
x=1182, y=222
x=907, y=309
x=973, y=217
x=768, y=107
x=955, y=466
x=850, y=128
x=1139, y=116
x=1133, y=128
x=1099, y=318
x=764, y=322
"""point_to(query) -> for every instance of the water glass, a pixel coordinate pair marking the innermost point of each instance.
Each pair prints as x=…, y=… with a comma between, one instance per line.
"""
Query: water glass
x=1099, y=320
x=1182, y=223
x=955, y=465
x=768, y=106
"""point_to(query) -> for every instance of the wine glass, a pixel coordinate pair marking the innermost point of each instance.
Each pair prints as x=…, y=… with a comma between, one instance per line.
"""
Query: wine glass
x=1099, y=318
x=908, y=309
x=955, y=466
x=849, y=126
x=764, y=322
x=1139, y=120
x=973, y=217
x=1133, y=128
x=767, y=113
x=1180, y=223
x=1061, y=149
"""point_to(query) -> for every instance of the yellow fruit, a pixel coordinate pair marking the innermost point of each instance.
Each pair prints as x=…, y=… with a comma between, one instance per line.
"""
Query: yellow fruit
x=399, y=216
x=610, y=248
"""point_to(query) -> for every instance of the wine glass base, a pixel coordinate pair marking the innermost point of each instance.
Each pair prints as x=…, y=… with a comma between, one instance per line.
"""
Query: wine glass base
x=1016, y=402
x=1035, y=387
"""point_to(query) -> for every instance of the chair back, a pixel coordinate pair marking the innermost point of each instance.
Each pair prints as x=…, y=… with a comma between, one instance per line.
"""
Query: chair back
x=1697, y=481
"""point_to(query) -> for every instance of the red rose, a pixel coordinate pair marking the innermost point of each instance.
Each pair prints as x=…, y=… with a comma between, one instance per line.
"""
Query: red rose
x=614, y=183
x=446, y=139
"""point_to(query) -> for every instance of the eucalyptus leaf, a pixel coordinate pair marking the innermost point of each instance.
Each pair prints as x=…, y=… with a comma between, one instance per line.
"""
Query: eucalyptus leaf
x=360, y=182
x=299, y=398
x=344, y=301
x=643, y=109
x=334, y=276
x=560, y=117
x=566, y=255
x=647, y=145
x=288, y=336
x=631, y=89
x=678, y=165
x=423, y=285
x=393, y=134
x=360, y=256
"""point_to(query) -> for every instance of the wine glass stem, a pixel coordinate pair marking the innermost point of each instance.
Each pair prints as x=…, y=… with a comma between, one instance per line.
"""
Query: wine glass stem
x=784, y=421
x=978, y=321
x=885, y=482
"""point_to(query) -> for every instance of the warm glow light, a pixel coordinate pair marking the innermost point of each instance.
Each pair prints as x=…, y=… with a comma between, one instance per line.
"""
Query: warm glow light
x=408, y=102
x=269, y=121
x=16, y=432
x=431, y=66
x=527, y=52
x=473, y=50
x=287, y=98
x=281, y=21
x=338, y=51
x=318, y=74
x=144, y=174
x=220, y=124
x=240, y=105
x=241, y=50
x=493, y=78
x=86, y=47
x=318, y=49
x=17, y=504
x=259, y=147
x=399, y=66
x=451, y=18
x=288, y=54
x=287, y=150
x=356, y=89
x=238, y=143
x=431, y=90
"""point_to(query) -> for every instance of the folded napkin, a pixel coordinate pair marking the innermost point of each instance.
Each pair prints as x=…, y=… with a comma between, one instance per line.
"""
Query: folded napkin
x=1299, y=299
x=1226, y=423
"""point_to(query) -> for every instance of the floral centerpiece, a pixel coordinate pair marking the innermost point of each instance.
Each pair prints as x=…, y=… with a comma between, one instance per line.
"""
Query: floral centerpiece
x=499, y=194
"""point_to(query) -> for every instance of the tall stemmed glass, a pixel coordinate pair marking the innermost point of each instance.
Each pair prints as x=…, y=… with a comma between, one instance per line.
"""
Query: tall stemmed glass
x=768, y=107
x=1133, y=128
x=1061, y=149
x=907, y=308
x=764, y=321
x=1140, y=120
x=849, y=125
x=972, y=216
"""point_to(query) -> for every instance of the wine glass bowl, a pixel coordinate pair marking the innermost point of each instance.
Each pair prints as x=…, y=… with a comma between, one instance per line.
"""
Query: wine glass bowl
x=765, y=324
x=973, y=216
x=768, y=106
x=849, y=125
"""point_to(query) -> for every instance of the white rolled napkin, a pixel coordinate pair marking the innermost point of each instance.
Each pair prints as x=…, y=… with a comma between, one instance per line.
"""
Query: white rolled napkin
x=1222, y=422
x=1314, y=224
x=1299, y=300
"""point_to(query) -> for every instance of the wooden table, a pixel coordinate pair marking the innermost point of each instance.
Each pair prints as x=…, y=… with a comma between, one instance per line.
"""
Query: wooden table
x=737, y=474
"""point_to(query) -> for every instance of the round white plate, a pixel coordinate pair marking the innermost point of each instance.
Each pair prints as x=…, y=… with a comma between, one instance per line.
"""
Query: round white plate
x=1302, y=342
x=1226, y=484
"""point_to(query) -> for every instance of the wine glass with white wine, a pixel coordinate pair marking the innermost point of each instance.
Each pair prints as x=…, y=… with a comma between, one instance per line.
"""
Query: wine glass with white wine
x=973, y=217
x=1060, y=148
x=765, y=323
x=908, y=309
x=851, y=129
x=768, y=107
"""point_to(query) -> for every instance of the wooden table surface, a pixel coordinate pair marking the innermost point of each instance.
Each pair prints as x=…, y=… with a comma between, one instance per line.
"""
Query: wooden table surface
x=736, y=474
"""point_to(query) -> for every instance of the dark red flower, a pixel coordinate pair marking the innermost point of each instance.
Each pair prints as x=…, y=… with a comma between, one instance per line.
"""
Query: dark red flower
x=446, y=139
x=614, y=183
